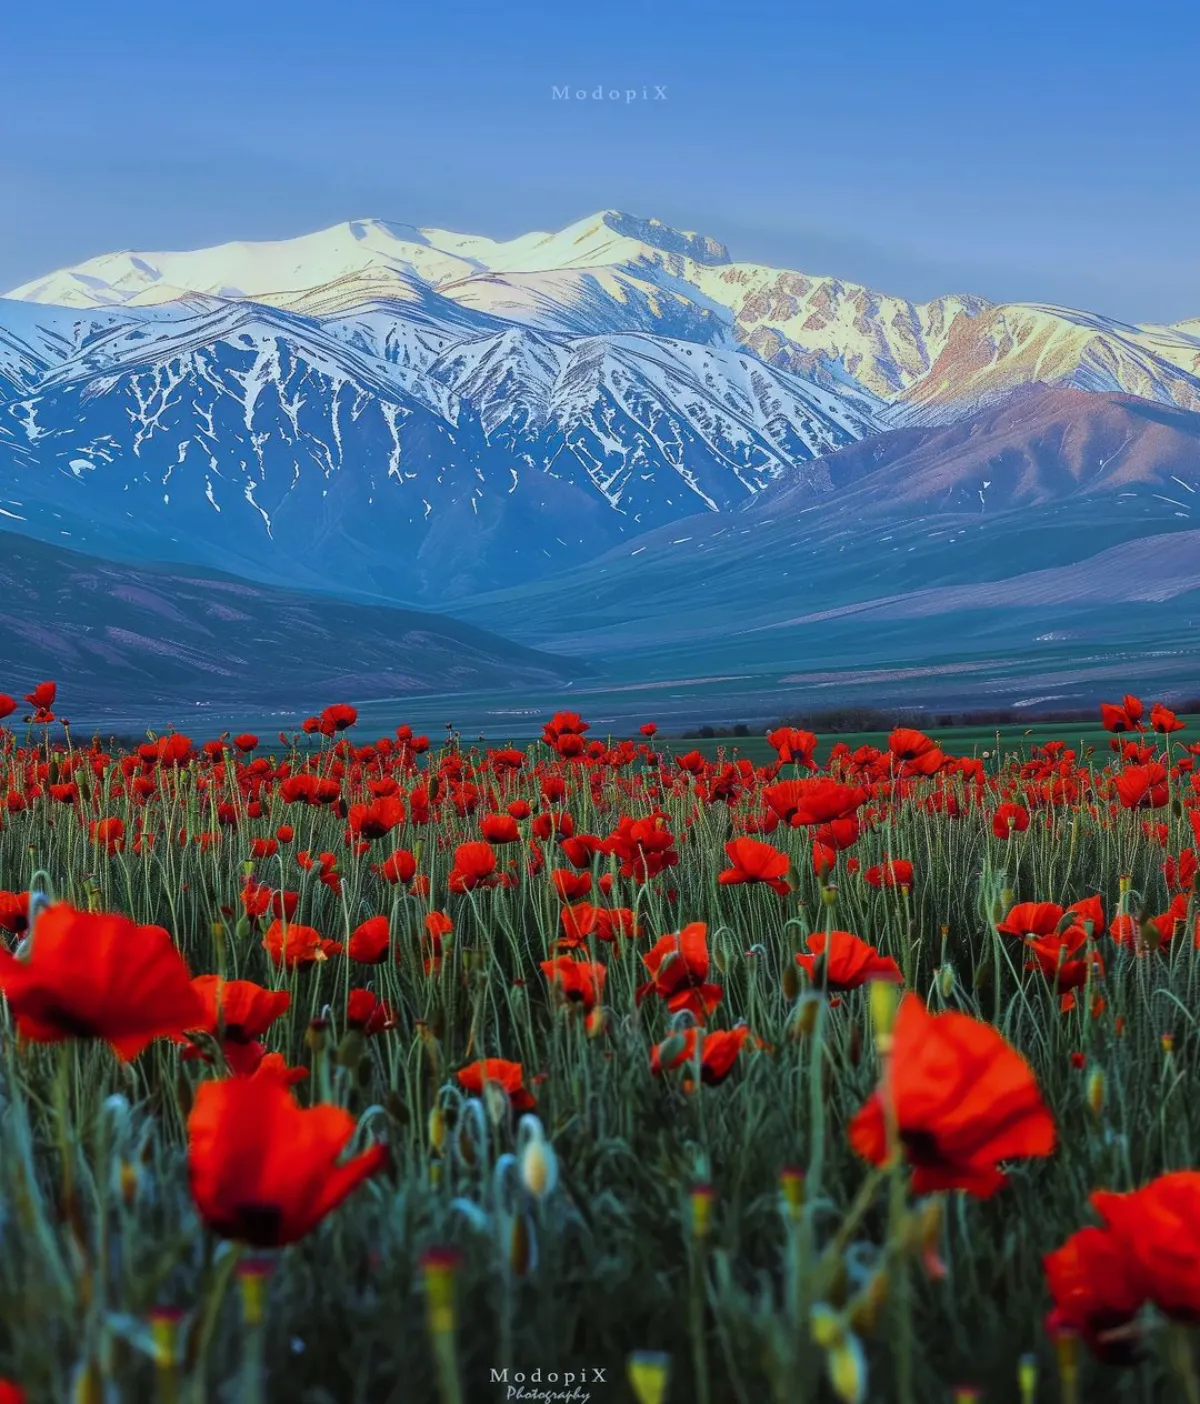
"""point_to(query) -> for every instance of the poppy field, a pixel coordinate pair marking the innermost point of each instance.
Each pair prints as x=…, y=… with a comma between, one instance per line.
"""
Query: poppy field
x=380, y=1070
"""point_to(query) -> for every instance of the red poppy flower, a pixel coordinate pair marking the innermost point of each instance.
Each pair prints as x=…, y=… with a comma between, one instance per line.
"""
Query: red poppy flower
x=99, y=975
x=499, y=828
x=1093, y=1281
x=108, y=834
x=679, y=967
x=570, y=886
x=265, y=1171
x=369, y=1014
x=14, y=912
x=843, y=962
x=370, y=941
x=474, y=863
x=964, y=1098
x=376, y=819
x=1126, y=717
x=793, y=746
x=578, y=981
x=1160, y=1224
x=1010, y=819
x=1142, y=786
x=814, y=801
x=399, y=867
x=754, y=861
x=291, y=944
x=508, y=1076
x=892, y=872
x=10, y=1393
x=1163, y=720
x=718, y=1053
x=646, y=847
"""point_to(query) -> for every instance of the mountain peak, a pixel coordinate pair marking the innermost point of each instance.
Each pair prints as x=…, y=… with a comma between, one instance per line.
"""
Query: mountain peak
x=700, y=248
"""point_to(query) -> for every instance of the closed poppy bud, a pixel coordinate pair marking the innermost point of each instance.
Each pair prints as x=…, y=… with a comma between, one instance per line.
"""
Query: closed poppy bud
x=848, y=1372
x=439, y=1268
x=253, y=1274
x=967, y=1394
x=595, y=1021
x=648, y=1371
x=244, y=928
x=315, y=1035
x=164, y=1332
x=539, y=1165
x=791, y=1186
x=946, y=981
x=719, y=957
x=247, y=866
x=701, y=1199
x=1066, y=1347
x=1027, y=1374
x=129, y=1184
x=884, y=1001
x=1168, y=1043
x=496, y=1103
x=1095, y=1091
x=437, y=1129
x=1124, y=883
x=864, y=1311
x=804, y=1019
x=520, y=1246
x=827, y=1326
x=350, y=1050
x=790, y=981
x=670, y=1050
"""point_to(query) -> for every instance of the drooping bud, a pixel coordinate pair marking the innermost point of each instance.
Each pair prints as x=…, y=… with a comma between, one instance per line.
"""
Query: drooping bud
x=539, y=1164
x=437, y=1129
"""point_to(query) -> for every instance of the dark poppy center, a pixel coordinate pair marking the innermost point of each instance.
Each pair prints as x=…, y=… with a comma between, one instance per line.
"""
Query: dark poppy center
x=923, y=1149
x=257, y=1224
x=69, y=1021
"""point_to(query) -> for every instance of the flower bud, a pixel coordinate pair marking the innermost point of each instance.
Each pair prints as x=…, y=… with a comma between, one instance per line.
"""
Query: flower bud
x=437, y=1129
x=790, y=980
x=946, y=981
x=1027, y=1375
x=253, y=1274
x=884, y=1000
x=701, y=1199
x=827, y=1326
x=439, y=1268
x=539, y=1166
x=848, y=1371
x=648, y=1371
x=1096, y=1091
x=791, y=1186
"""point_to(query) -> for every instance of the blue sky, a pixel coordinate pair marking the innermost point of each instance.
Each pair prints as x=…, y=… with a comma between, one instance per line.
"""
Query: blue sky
x=1043, y=152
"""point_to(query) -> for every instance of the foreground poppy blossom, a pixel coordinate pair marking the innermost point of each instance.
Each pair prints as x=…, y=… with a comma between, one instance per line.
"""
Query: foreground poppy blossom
x=754, y=861
x=265, y=1171
x=842, y=961
x=965, y=1100
x=1148, y=1250
x=510, y=1077
x=678, y=965
x=100, y=975
x=718, y=1053
x=239, y=1012
x=578, y=981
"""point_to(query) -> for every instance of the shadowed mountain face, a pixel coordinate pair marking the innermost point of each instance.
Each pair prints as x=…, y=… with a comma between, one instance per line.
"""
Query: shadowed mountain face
x=1059, y=523
x=129, y=641
x=1037, y=448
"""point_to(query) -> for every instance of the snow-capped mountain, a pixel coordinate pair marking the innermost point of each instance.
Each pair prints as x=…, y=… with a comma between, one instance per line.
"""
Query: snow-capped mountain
x=420, y=414
x=386, y=452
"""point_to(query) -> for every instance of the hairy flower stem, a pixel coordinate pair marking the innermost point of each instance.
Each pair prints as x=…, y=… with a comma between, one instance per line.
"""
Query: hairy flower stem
x=697, y=1294
x=1179, y=1349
